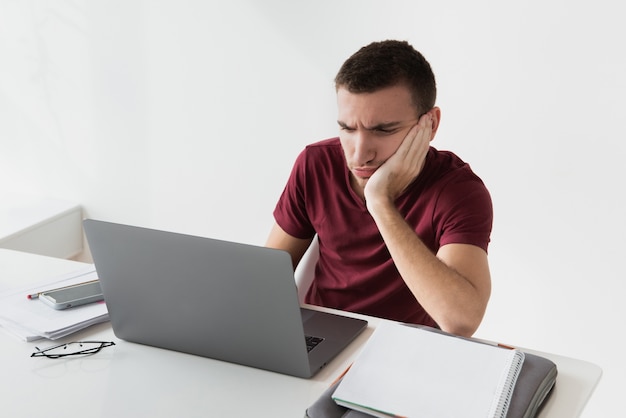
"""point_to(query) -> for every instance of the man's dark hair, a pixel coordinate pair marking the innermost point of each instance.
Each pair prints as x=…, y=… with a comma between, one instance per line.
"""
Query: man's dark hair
x=386, y=64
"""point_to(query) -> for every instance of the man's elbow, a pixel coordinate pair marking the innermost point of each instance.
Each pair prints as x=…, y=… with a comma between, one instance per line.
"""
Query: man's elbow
x=460, y=330
x=465, y=327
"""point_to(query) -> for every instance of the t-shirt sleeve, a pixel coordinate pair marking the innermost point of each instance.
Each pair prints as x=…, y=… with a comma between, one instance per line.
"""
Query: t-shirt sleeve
x=468, y=214
x=290, y=212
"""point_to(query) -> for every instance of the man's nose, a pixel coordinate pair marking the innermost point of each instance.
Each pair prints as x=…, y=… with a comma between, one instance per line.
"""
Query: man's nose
x=364, y=151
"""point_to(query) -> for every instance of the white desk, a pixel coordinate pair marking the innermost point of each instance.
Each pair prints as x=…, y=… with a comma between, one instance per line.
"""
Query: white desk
x=131, y=380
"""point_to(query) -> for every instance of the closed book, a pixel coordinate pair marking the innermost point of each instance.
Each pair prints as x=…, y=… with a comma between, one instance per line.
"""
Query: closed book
x=404, y=371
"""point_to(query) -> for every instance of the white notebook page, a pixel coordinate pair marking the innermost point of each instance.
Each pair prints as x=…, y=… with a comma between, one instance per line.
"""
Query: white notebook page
x=406, y=371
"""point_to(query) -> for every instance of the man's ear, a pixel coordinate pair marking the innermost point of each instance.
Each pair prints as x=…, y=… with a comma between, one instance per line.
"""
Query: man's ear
x=435, y=114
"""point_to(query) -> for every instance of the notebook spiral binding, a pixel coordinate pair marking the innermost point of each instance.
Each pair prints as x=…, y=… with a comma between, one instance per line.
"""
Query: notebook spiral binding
x=502, y=405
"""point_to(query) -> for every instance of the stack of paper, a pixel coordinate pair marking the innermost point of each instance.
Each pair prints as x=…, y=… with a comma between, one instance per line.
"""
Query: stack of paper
x=32, y=319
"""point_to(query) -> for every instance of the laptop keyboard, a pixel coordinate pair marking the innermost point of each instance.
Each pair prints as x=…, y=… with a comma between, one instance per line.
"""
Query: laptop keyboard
x=312, y=342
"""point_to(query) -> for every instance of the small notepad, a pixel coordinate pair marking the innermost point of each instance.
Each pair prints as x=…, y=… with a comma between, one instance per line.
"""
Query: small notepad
x=411, y=372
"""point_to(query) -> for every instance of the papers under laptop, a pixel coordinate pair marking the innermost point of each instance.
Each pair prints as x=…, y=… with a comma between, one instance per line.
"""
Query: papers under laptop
x=228, y=301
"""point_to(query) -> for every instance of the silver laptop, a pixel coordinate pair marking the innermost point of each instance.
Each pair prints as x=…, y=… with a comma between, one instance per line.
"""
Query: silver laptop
x=224, y=300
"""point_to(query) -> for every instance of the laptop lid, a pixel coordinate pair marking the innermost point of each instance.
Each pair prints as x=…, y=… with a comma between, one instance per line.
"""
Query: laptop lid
x=224, y=300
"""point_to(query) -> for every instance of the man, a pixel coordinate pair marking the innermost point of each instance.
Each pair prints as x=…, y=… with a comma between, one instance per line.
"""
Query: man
x=403, y=228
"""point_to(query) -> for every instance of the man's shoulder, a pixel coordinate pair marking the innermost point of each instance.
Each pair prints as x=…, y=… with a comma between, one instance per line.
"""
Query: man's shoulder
x=327, y=151
x=321, y=156
x=444, y=170
x=445, y=158
x=326, y=144
x=447, y=162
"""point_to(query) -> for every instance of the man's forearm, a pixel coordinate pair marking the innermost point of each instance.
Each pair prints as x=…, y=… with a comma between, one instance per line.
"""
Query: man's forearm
x=449, y=298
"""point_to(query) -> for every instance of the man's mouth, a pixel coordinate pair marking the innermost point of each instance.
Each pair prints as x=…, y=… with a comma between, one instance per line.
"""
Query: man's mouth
x=364, y=172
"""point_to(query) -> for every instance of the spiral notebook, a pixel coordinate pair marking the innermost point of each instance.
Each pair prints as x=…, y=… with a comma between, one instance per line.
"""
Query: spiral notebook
x=407, y=372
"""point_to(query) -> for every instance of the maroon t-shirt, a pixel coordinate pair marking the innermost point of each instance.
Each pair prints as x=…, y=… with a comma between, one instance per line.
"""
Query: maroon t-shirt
x=447, y=203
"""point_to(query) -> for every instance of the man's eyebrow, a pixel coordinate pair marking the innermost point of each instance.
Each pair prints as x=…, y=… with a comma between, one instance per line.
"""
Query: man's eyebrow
x=384, y=126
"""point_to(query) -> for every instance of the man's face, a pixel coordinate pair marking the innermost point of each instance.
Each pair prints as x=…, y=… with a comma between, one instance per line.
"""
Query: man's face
x=372, y=127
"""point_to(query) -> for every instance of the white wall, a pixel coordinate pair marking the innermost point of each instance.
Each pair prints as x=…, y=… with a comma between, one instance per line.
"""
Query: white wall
x=187, y=116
